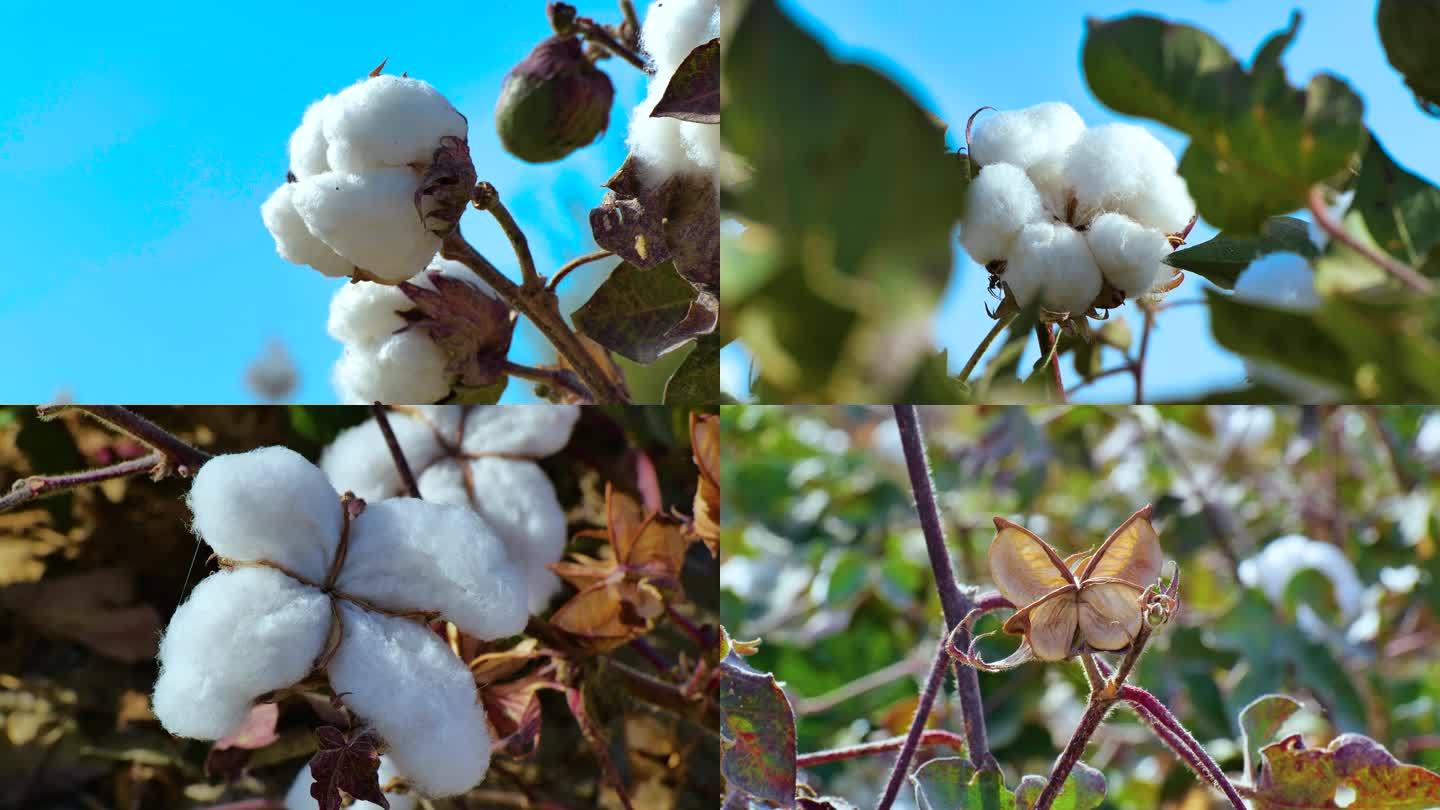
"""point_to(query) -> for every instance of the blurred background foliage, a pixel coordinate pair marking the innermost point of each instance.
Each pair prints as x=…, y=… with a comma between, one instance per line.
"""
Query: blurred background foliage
x=89, y=578
x=1306, y=537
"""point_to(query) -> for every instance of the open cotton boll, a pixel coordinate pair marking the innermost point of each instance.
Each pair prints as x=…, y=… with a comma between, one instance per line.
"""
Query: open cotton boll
x=307, y=142
x=1027, y=136
x=358, y=460
x=406, y=683
x=406, y=368
x=702, y=145
x=370, y=219
x=1052, y=262
x=299, y=798
x=241, y=633
x=520, y=430
x=1001, y=201
x=366, y=312
x=407, y=554
x=270, y=503
x=293, y=239
x=388, y=121
x=674, y=28
x=1129, y=254
x=1164, y=204
x=1280, y=280
x=1110, y=167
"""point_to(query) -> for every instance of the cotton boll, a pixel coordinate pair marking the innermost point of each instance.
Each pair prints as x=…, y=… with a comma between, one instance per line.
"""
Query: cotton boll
x=370, y=219
x=1129, y=254
x=358, y=460
x=657, y=143
x=1001, y=201
x=366, y=312
x=1111, y=167
x=268, y=504
x=293, y=239
x=674, y=28
x=1164, y=203
x=407, y=554
x=1272, y=569
x=521, y=430
x=407, y=368
x=299, y=798
x=1053, y=262
x=402, y=679
x=1049, y=179
x=702, y=144
x=388, y=121
x=1025, y=137
x=241, y=633
x=307, y=143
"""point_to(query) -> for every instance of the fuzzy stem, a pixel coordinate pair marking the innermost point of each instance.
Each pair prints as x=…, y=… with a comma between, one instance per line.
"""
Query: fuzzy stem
x=700, y=635
x=185, y=458
x=917, y=725
x=560, y=378
x=542, y=308
x=651, y=655
x=1180, y=740
x=39, y=486
x=1047, y=340
x=382, y=418
x=1089, y=723
x=953, y=601
x=1402, y=272
x=599, y=34
x=487, y=198
x=1000, y=324
x=1137, y=366
x=627, y=10
x=932, y=736
x=574, y=263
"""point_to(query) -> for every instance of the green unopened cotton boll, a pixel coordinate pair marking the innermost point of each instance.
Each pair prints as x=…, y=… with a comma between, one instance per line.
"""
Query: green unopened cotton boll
x=552, y=103
x=1052, y=263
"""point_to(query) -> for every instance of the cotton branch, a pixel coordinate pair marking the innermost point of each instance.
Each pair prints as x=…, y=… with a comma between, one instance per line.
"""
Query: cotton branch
x=933, y=736
x=938, y=666
x=39, y=486
x=1403, y=273
x=382, y=418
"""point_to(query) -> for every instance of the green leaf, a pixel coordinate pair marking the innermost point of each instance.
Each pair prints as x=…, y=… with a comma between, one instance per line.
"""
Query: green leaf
x=1291, y=339
x=1084, y=789
x=951, y=783
x=1353, y=766
x=1401, y=210
x=1257, y=145
x=697, y=380
x=694, y=90
x=1260, y=721
x=480, y=394
x=634, y=313
x=1409, y=30
x=757, y=733
x=1221, y=259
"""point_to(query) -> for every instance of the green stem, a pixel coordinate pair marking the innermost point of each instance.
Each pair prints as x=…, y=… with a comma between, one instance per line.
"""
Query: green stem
x=995, y=331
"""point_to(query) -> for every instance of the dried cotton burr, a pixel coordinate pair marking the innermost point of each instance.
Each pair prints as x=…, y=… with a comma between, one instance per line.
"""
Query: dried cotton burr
x=356, y=162
x=481, y=457
x=1074, y=219
x=312, y=582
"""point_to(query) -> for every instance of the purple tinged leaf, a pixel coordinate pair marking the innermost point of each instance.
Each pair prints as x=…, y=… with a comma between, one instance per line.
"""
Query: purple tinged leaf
x=757, y=733
x=694, y=91
x=346, y=762
x=1353, y=765
x=640, y=314
x=1259, y=723
x=471, y=327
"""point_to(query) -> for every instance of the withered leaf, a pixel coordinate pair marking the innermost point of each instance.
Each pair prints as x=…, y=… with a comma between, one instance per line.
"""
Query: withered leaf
x=705, y=444
x=349, y=763
x=473, y=328
x=230, y=754
x=95, y=608
x=694, y=91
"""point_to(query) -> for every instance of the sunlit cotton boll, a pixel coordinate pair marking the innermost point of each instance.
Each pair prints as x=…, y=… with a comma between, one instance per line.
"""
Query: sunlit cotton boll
x=1025, y=137
x=387, y=121
x=1052, y=263
x=1123, y=168
x=1129, y=254
x=1282, y=558
x=666, y=146
x=369, y=219
x=1002, y=201
x=299, y=798
x=293, y=239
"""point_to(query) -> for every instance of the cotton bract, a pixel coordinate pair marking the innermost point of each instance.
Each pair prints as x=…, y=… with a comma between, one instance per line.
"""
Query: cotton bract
x=667, y=146
x=480, y=457
x=265, y=622
x=299, y=798
x=357, y=159
x=1070, y=210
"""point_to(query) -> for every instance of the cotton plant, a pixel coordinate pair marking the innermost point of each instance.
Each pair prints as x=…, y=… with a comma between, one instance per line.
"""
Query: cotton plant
x=478, y=457
x=1077, y=220
x=316, y=583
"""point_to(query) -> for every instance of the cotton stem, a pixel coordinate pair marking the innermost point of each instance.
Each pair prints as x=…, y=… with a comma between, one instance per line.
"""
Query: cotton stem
x=40, y=486
x=397, y=455
x=1000, y=324
x=1403, y=273
x=901, y=769
x=933, y=736
x=183, y=458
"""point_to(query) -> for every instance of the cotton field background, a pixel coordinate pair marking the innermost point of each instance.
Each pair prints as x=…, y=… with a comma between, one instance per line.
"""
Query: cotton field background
x=1305, y=538
x=508, y=638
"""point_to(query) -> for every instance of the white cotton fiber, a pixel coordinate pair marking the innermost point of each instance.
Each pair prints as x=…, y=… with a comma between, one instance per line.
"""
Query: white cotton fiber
x=1052, y=262
x=388, y=121
x=666, y=146
x=1119, y=167
x=1280, y=280
x=674, y=28
x=299, y=798
x=421, y=698
x=271, y=504
x=1025, y=137
x=524, y=430
x=370, y=219
x=358, y=460
x=1164, y=204
x=407, y=554
x=241, y=633
x=404, y=369
x=517, y=501
x=293, y=239
x=366, y=312
x=1001, y=201
x=307, y=143
x=1129, y=254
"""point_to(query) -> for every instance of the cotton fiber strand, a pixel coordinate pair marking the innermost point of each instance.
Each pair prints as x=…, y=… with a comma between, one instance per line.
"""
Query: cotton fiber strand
x=1002, y=201
x=665, y=146
x=1053, y=262
x=370, y=219
x=1129, y=254
x=293, y=239
x=1025, y=137
x=387, y=121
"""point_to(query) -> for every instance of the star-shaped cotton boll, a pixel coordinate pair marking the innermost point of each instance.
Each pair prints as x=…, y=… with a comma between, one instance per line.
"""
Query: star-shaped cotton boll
x=356, y=162
x=481, y=457
x=266, y=620
x=668, y=146
x=1112, y=192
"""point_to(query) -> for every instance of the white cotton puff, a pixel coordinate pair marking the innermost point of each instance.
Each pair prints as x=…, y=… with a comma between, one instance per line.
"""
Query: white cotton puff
x=674, y=28
x=1000, y=202
x=1052, y=262
x=387, y=121
x=657, y=143
x=1122, y=167
x=293, y=239
x=1129, y=254
x=299, y=798
x=408, y=554
x=268, y=504
x=1164, y=204
x=665, y=146
x=307, y=142
x=407, y=368
x=515, y=499
x=241, y=633
x=1282, y=558
x=366, y=312
x=421, y=698
x=1025, y=137
x=358, y=460
x=370, y=219
x=1279, y=280
x=523, y=430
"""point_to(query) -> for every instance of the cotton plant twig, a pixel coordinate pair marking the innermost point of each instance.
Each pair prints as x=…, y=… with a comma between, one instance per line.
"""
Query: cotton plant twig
x=36, y=487
x=938, y=666
x=487, y=198
x=905, y=667
x=1046, y=337
x=995, y=330
x=382, y=418
x=559, y=378
x=1403, y=273
x=578, y=261
x=932, y=736
x=600, y=35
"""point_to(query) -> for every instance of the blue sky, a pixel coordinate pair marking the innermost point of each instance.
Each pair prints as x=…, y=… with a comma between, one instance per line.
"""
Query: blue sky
x=137, y=145
x=956, y=58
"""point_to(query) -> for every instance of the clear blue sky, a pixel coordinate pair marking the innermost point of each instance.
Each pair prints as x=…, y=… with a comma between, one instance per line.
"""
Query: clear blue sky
x=137, y=143
x=957, y=57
